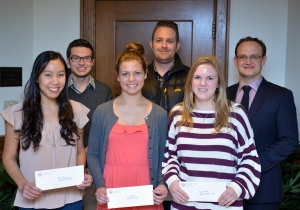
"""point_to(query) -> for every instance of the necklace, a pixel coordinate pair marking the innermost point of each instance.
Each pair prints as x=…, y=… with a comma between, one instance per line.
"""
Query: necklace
x=54, y=142
x=203, y=118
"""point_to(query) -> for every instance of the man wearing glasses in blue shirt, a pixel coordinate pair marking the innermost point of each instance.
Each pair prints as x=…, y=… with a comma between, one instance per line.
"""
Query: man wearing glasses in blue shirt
x=272, y=113
x=86, y=90
x=82, y=87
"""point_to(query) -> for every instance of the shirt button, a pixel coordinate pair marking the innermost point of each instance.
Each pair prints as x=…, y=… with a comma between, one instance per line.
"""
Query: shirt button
x=150, y=148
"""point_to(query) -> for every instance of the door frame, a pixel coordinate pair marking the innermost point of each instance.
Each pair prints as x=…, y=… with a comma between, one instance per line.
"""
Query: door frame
x=221, y=45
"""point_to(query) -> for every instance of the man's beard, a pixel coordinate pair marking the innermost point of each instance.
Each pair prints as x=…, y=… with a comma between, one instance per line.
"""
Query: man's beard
x=165, y=60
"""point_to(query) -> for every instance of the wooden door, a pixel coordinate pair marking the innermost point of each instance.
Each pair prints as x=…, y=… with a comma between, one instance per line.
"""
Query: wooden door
x=202, y=30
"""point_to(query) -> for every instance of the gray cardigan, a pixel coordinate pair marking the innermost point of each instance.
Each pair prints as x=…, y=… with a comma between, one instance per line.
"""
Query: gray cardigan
x=104, y=119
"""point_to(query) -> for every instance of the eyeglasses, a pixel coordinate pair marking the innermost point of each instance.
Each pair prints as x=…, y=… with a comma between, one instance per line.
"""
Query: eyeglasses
x=252, y=57
x=78, y=59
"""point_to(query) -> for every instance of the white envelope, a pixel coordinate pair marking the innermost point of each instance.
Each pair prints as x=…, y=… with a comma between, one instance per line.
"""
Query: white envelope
x=59, y=177
x=130, y=196
x=203, y=191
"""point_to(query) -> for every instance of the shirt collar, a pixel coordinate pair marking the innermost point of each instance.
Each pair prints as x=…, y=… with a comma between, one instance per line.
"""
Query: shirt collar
x=254, y=85
x=154, y=67
x=90, y=84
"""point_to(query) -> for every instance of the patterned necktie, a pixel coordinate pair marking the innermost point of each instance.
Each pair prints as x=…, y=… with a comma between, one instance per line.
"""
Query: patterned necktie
x=245, y=99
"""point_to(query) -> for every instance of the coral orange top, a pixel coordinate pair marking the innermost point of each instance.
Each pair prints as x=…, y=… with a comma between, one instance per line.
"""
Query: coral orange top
x=126, y=162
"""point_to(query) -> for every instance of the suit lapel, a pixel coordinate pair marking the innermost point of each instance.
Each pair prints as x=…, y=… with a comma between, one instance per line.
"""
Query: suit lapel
x=261, y=94
x=232, y=91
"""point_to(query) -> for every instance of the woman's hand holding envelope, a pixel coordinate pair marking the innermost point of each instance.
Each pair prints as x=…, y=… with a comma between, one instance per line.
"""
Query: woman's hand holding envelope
x=86, y=182
x=101, y=195
x=178, y=194
x=228, y=197
x=159, y=194
x=30, y=191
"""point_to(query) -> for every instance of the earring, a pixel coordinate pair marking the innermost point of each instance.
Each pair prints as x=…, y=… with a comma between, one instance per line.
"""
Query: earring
x=217, y=89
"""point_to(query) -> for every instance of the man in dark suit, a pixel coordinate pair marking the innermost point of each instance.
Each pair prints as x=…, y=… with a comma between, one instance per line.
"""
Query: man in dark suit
x=272, y=114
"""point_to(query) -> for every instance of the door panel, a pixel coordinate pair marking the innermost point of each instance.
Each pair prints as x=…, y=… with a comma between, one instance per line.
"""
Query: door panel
x=119, y=22
x=127, y=21
x=141, y=32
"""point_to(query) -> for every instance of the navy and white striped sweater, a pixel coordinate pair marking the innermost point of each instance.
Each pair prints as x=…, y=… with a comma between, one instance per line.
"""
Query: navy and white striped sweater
x=201, y=155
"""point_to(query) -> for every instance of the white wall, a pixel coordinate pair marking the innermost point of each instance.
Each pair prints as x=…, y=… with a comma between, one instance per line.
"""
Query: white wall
x=266, y=20
x=16, y=45
x=276, y=23
x=29, y=27
x=292, y=74
x=55, y=24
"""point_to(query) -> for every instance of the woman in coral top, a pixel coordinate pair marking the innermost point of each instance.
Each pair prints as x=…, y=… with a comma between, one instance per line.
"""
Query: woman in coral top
x=128, y=135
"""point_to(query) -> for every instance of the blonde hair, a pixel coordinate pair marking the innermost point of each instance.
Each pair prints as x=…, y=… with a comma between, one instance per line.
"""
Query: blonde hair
x=222, y=105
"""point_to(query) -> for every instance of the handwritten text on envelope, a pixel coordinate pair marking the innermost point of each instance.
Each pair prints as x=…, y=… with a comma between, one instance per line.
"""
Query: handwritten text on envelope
x=59, y=177
x=203, y=191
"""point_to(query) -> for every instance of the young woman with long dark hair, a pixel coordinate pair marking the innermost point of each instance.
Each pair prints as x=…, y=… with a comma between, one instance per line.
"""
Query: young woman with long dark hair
x=48, y=127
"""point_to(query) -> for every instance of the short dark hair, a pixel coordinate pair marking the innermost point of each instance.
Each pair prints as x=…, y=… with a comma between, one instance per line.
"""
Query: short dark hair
x=168, y=24
x=249, y=38
x=79, y=43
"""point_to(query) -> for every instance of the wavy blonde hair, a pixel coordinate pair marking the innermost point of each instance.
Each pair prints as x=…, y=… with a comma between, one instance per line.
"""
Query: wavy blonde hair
x=222, y=105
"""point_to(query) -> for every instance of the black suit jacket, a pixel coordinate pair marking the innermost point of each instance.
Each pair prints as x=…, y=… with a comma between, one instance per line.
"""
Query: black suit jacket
x=273, y=118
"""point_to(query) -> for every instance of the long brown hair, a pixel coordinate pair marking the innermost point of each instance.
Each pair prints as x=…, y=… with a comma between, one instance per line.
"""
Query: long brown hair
x=33, y=118
x=222, y=105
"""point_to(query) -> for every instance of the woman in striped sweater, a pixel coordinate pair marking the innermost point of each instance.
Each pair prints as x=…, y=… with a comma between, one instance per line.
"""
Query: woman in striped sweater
x=210, y=139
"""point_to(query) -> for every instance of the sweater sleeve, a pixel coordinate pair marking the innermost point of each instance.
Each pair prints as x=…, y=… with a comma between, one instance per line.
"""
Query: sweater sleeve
x=94, y=144
x=170, y=164
x=248, y=166
x=163, y=137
